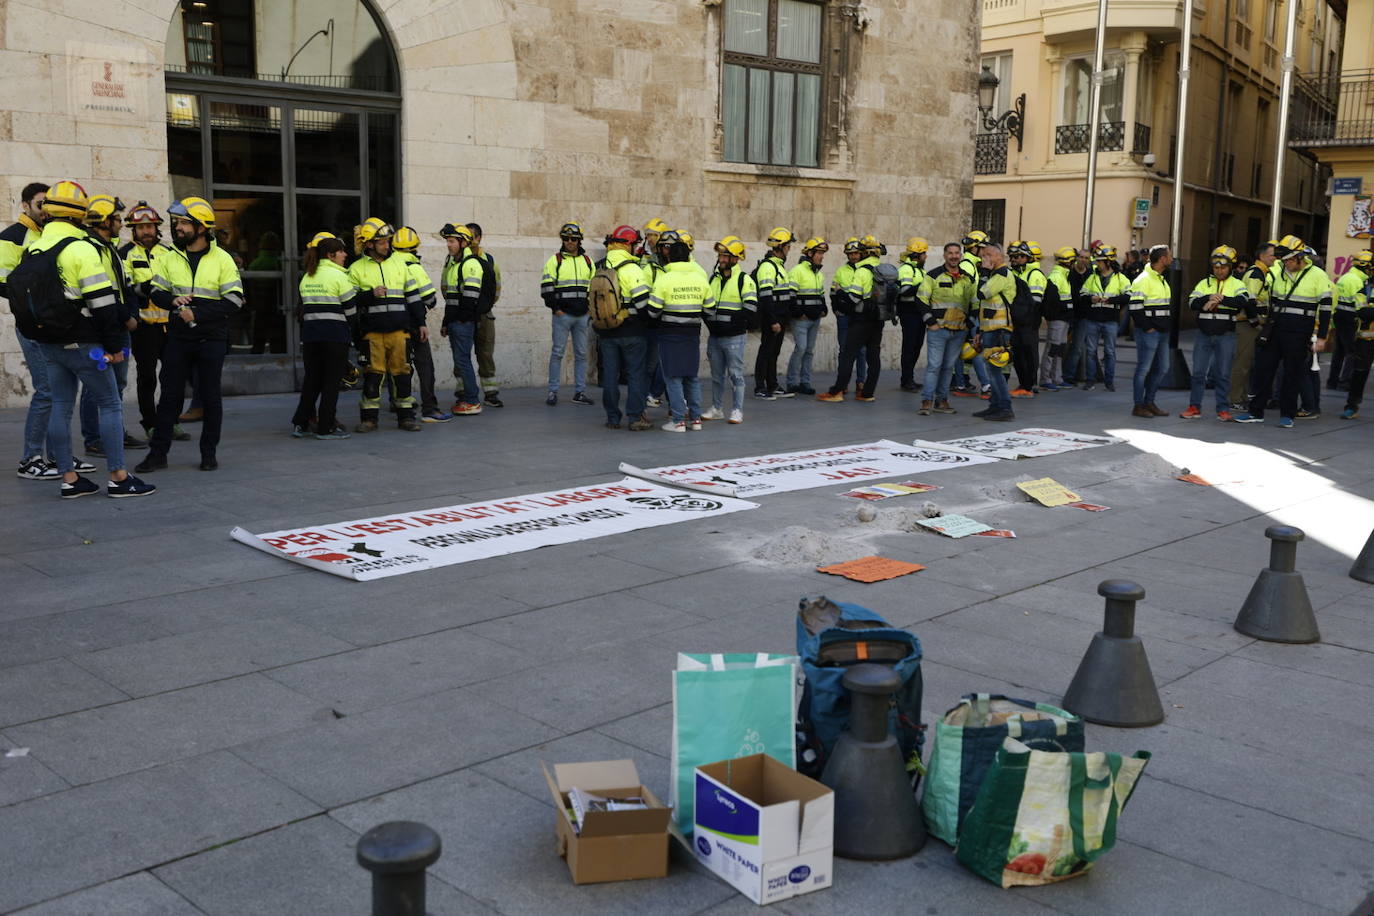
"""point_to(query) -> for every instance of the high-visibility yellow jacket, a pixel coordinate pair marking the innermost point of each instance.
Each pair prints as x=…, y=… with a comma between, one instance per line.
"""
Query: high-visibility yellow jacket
x=681, y=298
x=1351, y=292
x=1258, y=281
x=995, y=296
x=13, y=241
x=138, y=269
x=1235, y=302
x=1116, y=289
x=328, y=305
x=632, y=279
x=424, y=287
x=1302, y=301
x=951, y=298
x=737, y=303
x=775, y=290
x=215, y=288
x=913, y=287
x=564, y=283
x=808, y=290
x=85, y=284
x=462, y=288
x=1150, y=295
x=399, y=307
x=1058, y=301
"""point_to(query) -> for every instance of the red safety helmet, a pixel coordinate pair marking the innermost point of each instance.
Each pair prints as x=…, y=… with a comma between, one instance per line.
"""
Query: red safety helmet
x=627, y=234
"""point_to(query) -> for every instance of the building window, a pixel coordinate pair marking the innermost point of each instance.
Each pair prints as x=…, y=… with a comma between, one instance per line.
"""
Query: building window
x=771, y=82
x=1000, y=65
x=991, y=217
x=1242, y=23
x=1078, y=84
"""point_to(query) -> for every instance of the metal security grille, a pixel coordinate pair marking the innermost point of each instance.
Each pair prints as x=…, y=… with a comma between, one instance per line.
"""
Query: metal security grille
x=991, y=217
x=990, y=153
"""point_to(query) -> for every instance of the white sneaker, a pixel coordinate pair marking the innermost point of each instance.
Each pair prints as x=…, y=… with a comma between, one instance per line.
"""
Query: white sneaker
x=712, y=413
x=38, y=468
x=736, y=416
x=694, y=424
x=652, y=401
x=673, y=426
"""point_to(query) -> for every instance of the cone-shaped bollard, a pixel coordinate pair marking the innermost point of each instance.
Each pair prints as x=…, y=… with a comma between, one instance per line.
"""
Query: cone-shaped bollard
x=1364, y=563
x=876, y=815
x=1113, y=684
x=397, y=853
x=1277, y=608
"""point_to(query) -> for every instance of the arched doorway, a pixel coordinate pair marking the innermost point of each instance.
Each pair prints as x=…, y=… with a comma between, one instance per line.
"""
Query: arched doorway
x=285, y=114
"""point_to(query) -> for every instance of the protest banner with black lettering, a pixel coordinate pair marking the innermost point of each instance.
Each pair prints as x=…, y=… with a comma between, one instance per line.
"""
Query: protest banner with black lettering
x=374, y=548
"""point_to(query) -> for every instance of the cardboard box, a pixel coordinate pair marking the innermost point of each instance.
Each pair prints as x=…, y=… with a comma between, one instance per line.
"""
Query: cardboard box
x=765, y=828
x=613, y=845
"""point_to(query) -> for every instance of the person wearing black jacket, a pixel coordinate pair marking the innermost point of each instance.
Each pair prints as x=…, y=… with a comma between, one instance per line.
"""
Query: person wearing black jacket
x=1219, y=301
x=1075, y=357
x=775, y=303
x=735, y=314
x=1101, y=299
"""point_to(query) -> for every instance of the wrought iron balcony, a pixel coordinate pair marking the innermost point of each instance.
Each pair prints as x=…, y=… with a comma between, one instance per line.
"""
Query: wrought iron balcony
x=1334, y=110
x=990, y=153
x=1111, y=137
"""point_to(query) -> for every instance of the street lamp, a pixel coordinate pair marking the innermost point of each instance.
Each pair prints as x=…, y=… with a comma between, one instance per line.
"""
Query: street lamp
x=1012, y=121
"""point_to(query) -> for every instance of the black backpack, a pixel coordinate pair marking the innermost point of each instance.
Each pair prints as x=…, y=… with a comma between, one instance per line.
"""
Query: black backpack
x=42, y=311
x=885, y=286
x=1022, y=308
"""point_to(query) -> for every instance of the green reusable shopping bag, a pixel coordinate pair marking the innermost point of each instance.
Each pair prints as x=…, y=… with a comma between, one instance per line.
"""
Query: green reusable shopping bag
x=1044, y=816
x=727, y=706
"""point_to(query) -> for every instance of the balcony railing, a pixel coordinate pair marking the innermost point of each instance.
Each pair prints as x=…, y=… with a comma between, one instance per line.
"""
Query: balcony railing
x=990, y=153
x=1111, y=137
x=1334, y=110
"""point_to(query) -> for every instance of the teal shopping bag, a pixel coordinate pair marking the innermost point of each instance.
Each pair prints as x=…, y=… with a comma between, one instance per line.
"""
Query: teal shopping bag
x=727, y=706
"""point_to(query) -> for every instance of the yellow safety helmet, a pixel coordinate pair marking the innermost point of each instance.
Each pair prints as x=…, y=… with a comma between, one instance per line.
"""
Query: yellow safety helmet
x=975, y=239
x=406, y=239
x=1363, y=259
x=731, y=245
x=143, y=215
x=1223, y=254
x=1032, y=249
x=456, y=231
x=570, y=231
x=66, y=198
x=1017, y=247
x=656, y=225
x=998, y=356
x=917, y=245
x=1066, y=255
x=780, y=236
x=687, y=239
x=852, y=244
x=670, y=237
x=195, y=209
x=1104, y=253
x=816, y=242
x=374, y=227
x=1288, y=246
x=968, y=351
x=871, y=243
x=101, y=207
x=320, y=237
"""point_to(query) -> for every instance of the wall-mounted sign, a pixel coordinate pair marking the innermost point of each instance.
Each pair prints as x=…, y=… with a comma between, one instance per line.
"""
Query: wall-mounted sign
x=103, y=84
x=1347, y=185
x=1140, y=216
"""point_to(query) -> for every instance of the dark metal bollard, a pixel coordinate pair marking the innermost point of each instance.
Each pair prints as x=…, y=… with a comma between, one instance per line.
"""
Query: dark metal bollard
x=1114, y=684
x=1363, y=570
x=1277, y=608
x=397, y=853
x=876, y=815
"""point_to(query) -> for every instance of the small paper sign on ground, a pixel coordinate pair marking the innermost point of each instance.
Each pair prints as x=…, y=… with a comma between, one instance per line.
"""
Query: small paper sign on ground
x=1048, y=492
x=954, y=526
x=1091, y=507
x=1193, y=478
x=871, y=569
x=889, y=490
x=997, y=533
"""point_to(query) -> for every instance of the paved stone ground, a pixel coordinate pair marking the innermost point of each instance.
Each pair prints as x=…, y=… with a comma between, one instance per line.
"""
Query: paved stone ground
x=210, y=728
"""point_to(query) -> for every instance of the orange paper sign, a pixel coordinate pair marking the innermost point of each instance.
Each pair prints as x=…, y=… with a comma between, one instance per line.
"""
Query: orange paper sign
x=1193, y=478
x=871, y=569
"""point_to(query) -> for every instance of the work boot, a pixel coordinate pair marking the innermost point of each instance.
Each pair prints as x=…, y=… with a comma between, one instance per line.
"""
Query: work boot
x=367, y=426
x=943, y=407
x=1140, y=410
x=409, y=424
x=193, y=415
x=154, y=462
x=925, y=408
x=492, y=400
x=1154, y=409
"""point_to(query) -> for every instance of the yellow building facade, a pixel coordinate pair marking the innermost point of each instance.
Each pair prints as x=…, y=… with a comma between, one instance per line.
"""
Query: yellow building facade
x=1036, y=189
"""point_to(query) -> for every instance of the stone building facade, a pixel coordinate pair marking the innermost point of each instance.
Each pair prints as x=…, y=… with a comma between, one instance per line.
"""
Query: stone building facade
x=517, y=114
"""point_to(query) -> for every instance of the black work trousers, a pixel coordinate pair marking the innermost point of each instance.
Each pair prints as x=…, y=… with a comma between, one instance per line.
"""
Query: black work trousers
x=766, y=362
x=913, y=338
x=1342, y=366
x=1025, y=354
x=1361, y=356
x=1289, y=349
x=147, y=342
x=200, y=362
x=864, y=334
x=325, y=363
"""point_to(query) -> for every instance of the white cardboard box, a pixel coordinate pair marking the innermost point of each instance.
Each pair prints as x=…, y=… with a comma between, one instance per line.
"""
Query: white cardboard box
x=764, y=828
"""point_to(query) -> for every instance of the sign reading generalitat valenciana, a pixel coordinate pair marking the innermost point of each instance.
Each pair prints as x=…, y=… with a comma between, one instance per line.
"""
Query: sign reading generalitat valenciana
x=374, y=548
x=104, y=84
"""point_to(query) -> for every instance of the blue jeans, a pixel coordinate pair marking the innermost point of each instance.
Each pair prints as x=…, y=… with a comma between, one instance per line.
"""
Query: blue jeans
x=90, y=416
x=652, y=370
x=1001, y=396
x=628, y=354
x=1152, y=363
x=861, y=361
x=1076, y=359
x=727, y=359
x=803, y=350
x=67, y=368
x=1105, y=331
x=684, y=396
x=40, y=405
x=942, y=357
x=577, y=326
x=461, y=335
x=1212, y=356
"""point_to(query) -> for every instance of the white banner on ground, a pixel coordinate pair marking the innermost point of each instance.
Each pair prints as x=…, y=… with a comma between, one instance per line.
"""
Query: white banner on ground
x=390, y=545
x=822, y=467
x=1022, y=443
